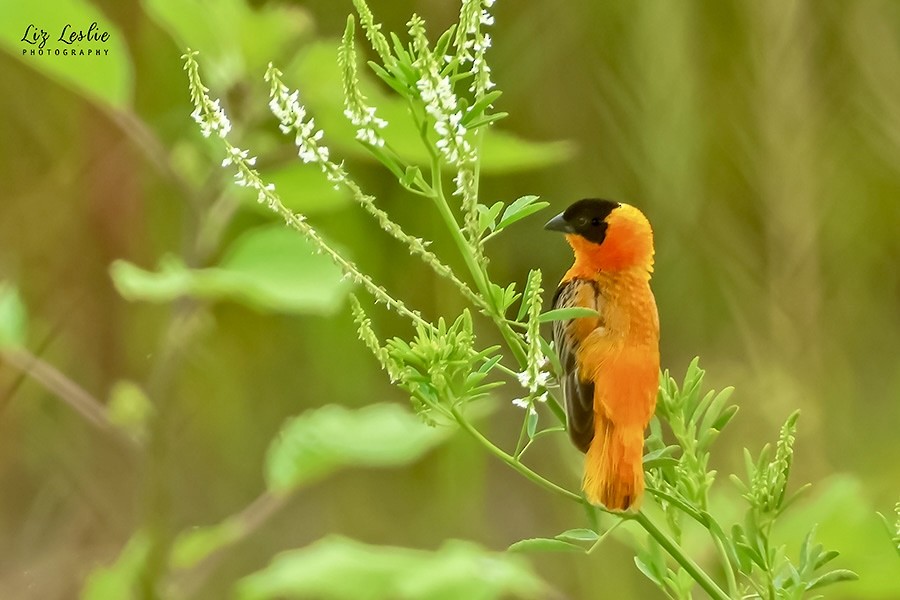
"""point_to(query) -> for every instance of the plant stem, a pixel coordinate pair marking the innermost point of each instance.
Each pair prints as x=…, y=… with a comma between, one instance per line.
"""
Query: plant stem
x=453, y=227
x=511, y=461
x=158, y=520
x=243, y=524
x=513, y=341
x=726, y=565
x=698, y=575
x=704, y=580
x=56, y=382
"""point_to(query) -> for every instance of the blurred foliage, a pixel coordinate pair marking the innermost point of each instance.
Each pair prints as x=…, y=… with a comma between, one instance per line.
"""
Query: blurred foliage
x=269, y=268
x=317, y=443
x=762, y=139
x=13, y=317
x=106, y=79
x=341, y=569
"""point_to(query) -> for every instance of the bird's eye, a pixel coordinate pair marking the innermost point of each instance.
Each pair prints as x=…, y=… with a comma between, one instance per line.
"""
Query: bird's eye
x=595, y=221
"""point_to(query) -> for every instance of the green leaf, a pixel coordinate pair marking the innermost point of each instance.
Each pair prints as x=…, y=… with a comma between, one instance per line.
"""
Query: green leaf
x=694, y=412
x=440, y=48
x=193, y=545
x=578, y=535
x=831, y=577
x=388, y=78
x=498, y=295
x=842, y=508
x=503, y=152
x=552, y=355
x=743, y=554
x=270, y=268
x=806, y=547
x=318, y=442
x=13, y=317
x=509, y=297
x=666, y=451
x=487, y=120
x=119, y=581
x=129, y=408
x=564, y=314
x=724, y=418
x=544, y=545
x=531, y=421
x=105, y=78
x=410, y=176
x=648, y=572
x=302, y=188
x=519, y=209
x=825, y=558
x=715, y=408
x=475, y=116
x=236, y=40
x=523, y=306
x=748, y=554
x=487, y=217
x=337, y=568
x=660, y=462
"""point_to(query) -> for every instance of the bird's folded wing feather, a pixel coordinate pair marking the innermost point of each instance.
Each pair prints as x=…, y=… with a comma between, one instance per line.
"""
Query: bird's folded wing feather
x=578, y=388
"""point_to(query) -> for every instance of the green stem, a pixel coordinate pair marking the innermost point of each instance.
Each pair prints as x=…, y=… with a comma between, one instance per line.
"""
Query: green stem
x=605, y=535
x=669, y=545
x=513, y=341
x=698, y=575
x=707, y=522
x=726, y=564
x=523, y=432
x=452, y=225
x=511, y=461
x=557, y=410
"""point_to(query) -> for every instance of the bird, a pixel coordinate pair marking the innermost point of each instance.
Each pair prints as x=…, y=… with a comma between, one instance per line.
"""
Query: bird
x=610, y=362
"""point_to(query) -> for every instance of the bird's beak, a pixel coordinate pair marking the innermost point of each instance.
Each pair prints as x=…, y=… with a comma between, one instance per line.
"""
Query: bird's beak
x=558, y=223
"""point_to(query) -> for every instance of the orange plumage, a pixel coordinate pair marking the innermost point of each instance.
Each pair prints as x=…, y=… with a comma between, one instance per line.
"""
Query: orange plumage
x=611, y=362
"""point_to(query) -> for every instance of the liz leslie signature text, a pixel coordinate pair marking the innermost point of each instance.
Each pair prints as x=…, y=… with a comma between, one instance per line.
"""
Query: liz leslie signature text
x=69, y=35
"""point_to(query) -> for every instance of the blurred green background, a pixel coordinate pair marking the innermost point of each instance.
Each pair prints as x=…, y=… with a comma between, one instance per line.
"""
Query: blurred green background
x=762, y=139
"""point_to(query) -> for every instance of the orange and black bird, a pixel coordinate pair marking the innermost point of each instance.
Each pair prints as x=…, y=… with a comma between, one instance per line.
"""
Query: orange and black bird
x=610, y=362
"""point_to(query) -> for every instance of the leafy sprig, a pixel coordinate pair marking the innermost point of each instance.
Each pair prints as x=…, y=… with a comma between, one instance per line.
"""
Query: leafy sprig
x=679, y=477
x=450, y=95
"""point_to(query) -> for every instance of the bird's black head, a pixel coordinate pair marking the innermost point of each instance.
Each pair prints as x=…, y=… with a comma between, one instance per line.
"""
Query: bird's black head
x=586, y=218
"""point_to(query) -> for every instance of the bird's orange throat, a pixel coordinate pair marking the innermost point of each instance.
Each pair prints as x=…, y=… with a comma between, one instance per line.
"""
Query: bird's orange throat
x=622, y=250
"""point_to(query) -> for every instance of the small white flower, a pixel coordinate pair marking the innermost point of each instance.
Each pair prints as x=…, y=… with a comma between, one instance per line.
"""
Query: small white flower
x=368, y=124
x=524, y=379
x=285, y=105
x=442, y=104
x=520, y=402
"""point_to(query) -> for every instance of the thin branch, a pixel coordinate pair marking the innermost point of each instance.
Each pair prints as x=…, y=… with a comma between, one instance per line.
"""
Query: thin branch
x=675, y=551
x=57, y=383
x=246, y=522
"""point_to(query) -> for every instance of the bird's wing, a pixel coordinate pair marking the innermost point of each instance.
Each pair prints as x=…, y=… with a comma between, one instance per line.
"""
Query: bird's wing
x=578, y=388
